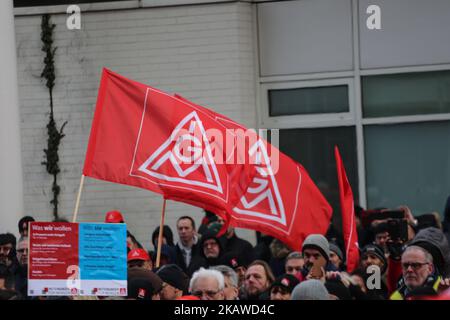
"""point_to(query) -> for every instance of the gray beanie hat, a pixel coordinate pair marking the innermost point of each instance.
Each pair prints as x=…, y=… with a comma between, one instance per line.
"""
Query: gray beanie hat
x=310, y=290
x=319, y=242
x=334, y=248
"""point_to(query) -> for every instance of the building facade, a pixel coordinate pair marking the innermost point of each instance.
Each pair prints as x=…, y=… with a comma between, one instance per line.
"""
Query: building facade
x=316, y=70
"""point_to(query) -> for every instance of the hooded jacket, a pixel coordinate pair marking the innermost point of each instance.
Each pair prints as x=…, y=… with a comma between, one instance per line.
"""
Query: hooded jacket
x=279, y=253
x=434, y=241
x=167, y=233
x=211, y=261
x=168, y=249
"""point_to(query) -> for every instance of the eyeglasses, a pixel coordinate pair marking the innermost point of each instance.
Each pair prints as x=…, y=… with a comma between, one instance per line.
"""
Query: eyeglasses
x=413, y=265
x=208, y=293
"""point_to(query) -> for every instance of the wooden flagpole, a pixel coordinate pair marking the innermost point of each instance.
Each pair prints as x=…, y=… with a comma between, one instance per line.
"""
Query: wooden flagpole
x=77, y=204
x=160, y=236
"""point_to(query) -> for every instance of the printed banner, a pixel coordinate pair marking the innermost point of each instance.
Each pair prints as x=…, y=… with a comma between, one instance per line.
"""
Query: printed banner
x=77, y=259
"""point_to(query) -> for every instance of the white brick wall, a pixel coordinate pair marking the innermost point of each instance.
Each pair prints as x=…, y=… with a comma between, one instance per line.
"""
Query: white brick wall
x=203, y=52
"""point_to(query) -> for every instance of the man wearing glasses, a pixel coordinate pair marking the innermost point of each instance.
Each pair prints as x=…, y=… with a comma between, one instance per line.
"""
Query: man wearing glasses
x=207, y=285
x=419, y=273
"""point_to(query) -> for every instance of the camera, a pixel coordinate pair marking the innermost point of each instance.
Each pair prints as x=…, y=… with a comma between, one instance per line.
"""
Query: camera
x=369, y=216
x=397, y=229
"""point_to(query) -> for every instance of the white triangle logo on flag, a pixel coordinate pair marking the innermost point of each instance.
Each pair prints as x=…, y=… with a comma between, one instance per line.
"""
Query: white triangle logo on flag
x=266, y=189
x=200, y=159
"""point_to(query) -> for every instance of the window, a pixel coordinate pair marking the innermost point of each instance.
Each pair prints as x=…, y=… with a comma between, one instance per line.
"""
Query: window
x=34, y=3
x=406, y=94
x=330, y=99
x=314, y=149
x=294, y=108
x=408, y=164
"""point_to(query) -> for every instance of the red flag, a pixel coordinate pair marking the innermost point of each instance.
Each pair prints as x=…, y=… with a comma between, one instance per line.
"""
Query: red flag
x=146, y=138
x=348, y=215
x=282, y=200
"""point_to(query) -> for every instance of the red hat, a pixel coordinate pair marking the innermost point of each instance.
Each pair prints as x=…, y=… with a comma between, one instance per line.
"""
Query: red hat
x=138, y=254
x=114, y=217
x=188, y=298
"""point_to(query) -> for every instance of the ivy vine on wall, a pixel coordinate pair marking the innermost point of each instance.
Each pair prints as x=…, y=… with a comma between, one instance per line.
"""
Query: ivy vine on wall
x=55, y=135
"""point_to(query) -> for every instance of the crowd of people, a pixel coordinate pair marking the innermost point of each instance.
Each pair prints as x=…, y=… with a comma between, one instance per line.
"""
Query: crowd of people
x=402, y=256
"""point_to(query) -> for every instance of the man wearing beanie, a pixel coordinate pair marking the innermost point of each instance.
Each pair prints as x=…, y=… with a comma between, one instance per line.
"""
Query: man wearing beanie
x=316, y=252
x=310, y=290
x=138, y=271
x=373, y=255
x=175, y=282
x=336, y=257
x=143, y=284
x=237, y=263
x=141, y=289
x=282, y=287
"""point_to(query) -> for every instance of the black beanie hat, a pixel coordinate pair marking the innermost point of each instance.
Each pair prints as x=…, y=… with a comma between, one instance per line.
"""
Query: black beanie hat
x=140, y=288
x=173, y=275
x=378, y=252
x=285, y=281
x=233, y=260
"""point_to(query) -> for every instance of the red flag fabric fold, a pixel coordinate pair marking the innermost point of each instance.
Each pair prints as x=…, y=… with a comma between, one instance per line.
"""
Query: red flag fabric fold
x=282, y=200
x=348, y=215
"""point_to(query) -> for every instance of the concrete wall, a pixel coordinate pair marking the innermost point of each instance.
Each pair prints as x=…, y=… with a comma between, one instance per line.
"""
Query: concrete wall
x=203, y=52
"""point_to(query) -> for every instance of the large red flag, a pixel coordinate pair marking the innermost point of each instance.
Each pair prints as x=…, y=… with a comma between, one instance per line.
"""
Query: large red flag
x=146, y=138
x=282, y=200
x=348, y=215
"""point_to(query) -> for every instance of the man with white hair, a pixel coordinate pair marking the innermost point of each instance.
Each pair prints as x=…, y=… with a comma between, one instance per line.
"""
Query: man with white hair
x=207, y=284
x=231, y=290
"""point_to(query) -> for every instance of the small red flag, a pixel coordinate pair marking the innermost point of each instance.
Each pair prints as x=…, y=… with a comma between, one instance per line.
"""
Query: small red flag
x=348, y=215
